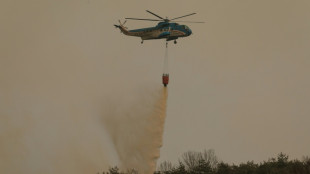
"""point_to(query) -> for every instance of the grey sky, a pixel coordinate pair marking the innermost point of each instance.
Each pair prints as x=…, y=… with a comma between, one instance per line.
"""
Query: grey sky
x=239, y=85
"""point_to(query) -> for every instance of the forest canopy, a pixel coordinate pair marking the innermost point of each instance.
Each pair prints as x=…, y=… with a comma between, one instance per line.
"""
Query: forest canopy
x=207, y=162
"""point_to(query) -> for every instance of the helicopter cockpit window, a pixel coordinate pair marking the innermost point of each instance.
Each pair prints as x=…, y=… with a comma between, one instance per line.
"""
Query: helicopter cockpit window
x=185, y=27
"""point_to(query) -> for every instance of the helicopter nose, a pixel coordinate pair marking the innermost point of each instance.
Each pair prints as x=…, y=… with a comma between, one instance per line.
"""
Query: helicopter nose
x=189, y=32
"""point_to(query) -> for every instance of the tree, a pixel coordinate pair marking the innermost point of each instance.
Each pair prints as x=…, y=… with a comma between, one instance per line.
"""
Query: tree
x=282, y=160
x=193, y=159
x=180, y=170
x=203, y=167
x=247, y=168
x=223, y=168
x=165, y=166
x=210, y=157
x=113, y=170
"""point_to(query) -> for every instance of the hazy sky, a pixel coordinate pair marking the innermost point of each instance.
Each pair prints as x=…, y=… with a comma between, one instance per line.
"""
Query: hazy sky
x=239, y=85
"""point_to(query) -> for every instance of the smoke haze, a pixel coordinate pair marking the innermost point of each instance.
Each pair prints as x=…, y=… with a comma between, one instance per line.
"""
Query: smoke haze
x=239, y=84
x=65, y=106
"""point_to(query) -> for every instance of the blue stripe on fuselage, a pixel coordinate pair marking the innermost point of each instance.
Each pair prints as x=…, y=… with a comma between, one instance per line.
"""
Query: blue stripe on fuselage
x=144, y=29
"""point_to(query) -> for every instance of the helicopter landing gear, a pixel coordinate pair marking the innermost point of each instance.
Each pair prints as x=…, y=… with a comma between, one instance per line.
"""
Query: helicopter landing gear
x=175, y=41
x=141, y=41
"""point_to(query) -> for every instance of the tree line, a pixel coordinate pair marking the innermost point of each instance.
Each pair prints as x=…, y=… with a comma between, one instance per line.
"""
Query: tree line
x=206, y=162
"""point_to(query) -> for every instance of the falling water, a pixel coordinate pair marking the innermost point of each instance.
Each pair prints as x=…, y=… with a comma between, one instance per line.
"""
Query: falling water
x=137, y=129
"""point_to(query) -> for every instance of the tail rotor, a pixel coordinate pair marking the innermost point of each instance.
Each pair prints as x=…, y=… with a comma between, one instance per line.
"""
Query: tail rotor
x=122, y=24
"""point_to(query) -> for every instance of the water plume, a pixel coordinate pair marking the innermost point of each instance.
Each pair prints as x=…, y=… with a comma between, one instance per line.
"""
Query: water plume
x=136, y=128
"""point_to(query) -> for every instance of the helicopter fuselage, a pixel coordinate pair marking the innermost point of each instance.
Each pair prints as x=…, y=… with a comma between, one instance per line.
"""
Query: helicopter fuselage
x=163, y=30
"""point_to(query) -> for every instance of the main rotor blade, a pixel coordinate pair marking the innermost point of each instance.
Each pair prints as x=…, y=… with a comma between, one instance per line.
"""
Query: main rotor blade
x=155, y=15
x=183, y=16
x=144, y=19
x=189, y=21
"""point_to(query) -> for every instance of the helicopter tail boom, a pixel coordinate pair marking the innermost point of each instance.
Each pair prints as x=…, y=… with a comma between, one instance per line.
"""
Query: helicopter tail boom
x=124, y=29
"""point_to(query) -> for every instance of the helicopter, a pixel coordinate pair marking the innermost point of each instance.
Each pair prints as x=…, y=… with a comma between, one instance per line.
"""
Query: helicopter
x=166, y=29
